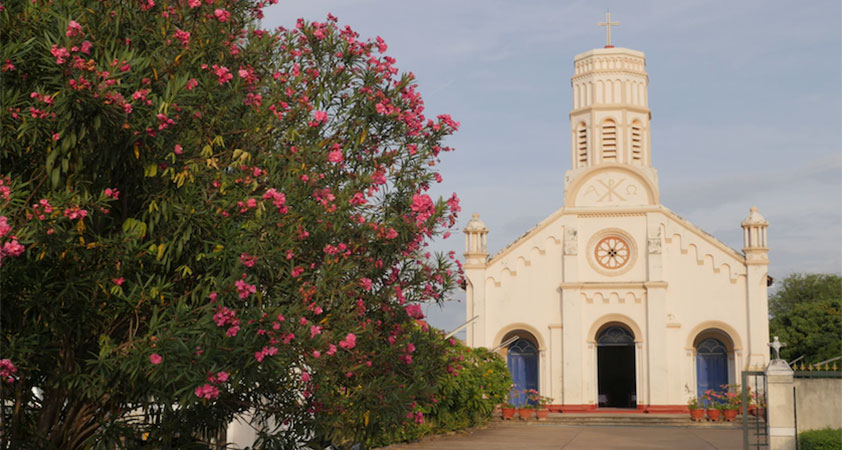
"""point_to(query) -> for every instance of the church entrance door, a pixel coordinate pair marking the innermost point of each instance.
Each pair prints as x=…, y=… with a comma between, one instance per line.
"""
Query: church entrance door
x=711, y=366
x=523, y=365
x=616, y=368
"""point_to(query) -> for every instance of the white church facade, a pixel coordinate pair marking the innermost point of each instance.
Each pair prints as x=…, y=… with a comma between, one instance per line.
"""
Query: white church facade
x=614, y=301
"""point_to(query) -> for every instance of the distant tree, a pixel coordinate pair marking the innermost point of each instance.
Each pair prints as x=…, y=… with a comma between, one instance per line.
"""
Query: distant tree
x=806, y=314
x=200, y=218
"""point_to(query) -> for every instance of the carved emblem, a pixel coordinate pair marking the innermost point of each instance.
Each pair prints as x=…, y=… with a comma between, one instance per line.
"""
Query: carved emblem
x=655, y=243
x=571, y=241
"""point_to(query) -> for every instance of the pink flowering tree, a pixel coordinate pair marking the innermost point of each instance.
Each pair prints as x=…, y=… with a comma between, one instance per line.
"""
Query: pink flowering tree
x=201, y=218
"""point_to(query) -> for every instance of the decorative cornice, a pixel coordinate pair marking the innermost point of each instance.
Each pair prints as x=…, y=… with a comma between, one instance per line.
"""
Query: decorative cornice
x=610, y=107
x=608, y=285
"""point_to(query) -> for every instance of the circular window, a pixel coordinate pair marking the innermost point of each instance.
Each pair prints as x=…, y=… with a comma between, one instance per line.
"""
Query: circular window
x=612, y=252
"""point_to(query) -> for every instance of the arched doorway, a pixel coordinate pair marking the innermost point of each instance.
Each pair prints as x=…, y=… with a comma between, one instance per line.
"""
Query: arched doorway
x=616, y=381
x=522, y=359
x=711, y=365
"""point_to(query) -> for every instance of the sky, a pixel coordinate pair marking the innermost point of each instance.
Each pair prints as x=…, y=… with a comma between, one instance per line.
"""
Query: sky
x=746, y=101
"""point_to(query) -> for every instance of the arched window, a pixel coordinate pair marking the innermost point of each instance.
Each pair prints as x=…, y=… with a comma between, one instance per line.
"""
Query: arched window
x=636, y=142
x=581, y=145
x=609, y=141
x=615, y=335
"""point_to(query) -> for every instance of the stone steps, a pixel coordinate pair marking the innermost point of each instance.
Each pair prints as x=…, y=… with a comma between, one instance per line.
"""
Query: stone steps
x=628, y=420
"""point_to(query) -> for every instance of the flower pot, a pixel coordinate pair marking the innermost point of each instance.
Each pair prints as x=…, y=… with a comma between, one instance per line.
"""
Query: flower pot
x=752, y=410
x=697, y=414
x=761, y=412
x=525, y=413
x=730, y=414
x=508, y=413
x=542, y=413
x=713, y=414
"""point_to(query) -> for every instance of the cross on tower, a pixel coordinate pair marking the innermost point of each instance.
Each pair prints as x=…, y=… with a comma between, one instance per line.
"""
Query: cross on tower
x=608, y=24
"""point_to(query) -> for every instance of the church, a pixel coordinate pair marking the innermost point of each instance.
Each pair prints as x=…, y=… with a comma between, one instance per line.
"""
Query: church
x=614, y=300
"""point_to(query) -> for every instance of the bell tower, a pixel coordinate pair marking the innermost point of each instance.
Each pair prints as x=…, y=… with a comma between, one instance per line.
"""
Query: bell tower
x=609, y=123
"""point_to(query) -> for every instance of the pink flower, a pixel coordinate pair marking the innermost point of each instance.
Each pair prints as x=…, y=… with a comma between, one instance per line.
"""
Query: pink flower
x=194, y=3
x=414, y=311
x=7, y=370
x=222, y=15
x=349, y=342
x=207, y=391
x=316, y=353
x=191, y=83
x=112, y=193
x=86, y=47
x=319, y=117
x=223, y=74
x=248, y=260
x=331, y=350
x=118, y=281
x=222, y=377
x=305, y=376
x=183, y=36
x=315, y=330
x=73, y=28
x=244, y=289
x=335, y=156
x=4, y=226
x=381, y=45
x=75, y=213
x=178, y=149
x=11, y=248
x=224, y=316
x=61, y=54
x=365, y=283
x=155, y=359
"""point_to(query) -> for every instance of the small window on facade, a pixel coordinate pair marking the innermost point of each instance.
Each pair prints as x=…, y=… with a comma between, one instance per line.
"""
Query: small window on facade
x=582, y=145
x=609, y=141
x=636, y=142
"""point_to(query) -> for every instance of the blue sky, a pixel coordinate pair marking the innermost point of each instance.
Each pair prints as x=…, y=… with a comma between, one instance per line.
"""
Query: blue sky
x=746, y=101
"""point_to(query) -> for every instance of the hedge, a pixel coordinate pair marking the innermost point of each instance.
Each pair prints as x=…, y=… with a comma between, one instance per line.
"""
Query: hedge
x=826, y=439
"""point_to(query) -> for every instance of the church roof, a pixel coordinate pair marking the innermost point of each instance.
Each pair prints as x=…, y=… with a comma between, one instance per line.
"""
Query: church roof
x=660, y=208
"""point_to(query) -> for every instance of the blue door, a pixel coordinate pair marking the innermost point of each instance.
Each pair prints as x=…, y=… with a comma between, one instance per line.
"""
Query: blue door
x=523, y=365
x=711, y=366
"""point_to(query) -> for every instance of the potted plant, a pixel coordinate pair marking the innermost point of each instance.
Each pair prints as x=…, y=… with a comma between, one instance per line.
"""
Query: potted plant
x=540, y=403
x=732, y=404
x=508, y=410
x=697, y=412
x=712, y=401
x=525, y=410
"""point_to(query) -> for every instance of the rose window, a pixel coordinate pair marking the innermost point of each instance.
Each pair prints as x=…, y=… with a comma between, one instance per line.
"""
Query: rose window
x=612, y=252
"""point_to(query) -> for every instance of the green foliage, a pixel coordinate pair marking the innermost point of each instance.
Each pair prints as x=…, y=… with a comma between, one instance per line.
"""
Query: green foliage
x=826, y=439
x=226, y=221
x=477, y=380
x=806, y=314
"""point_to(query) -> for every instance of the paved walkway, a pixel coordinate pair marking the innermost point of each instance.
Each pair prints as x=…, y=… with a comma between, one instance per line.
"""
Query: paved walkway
x=551, y=436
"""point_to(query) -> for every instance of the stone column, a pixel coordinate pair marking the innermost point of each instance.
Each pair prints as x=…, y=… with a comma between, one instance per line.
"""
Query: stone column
x=780, y=407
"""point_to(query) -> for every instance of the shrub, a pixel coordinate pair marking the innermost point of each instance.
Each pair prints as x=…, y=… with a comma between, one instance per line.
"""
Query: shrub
x=200, y=218
x=476, y=380
x=826, y=439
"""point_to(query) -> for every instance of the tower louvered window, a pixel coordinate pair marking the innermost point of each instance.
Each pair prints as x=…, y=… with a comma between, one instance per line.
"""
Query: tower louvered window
x=636, y=142
x=609, y=141
x=581, y=145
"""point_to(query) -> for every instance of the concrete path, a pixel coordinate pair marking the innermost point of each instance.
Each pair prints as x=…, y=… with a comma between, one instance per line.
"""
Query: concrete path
x=550, y=436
